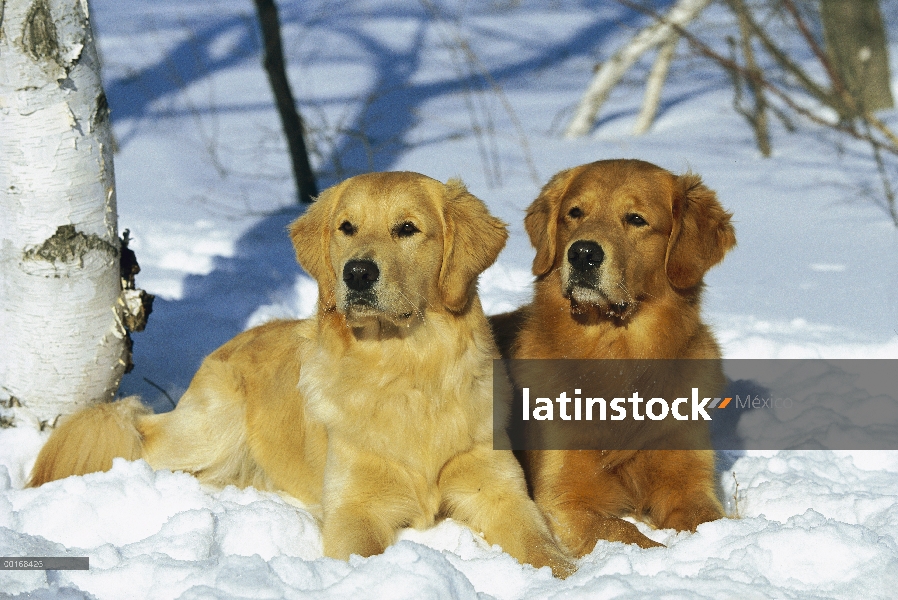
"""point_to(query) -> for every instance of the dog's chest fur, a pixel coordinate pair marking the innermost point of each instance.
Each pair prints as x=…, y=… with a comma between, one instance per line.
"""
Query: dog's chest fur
x=417, y=399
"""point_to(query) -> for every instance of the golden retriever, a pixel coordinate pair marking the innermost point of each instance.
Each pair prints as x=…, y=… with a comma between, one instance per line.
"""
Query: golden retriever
x=376, y=413
x=621, y=250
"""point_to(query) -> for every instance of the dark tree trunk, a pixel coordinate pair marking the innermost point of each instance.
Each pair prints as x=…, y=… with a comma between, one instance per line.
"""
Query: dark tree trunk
x=291, y=120
x=856, y=43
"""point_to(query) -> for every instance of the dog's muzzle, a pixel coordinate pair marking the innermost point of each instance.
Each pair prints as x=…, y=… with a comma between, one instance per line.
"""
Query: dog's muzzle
x=584, y=280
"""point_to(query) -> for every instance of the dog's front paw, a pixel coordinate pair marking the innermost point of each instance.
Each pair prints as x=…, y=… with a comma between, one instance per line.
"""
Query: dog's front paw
x=344, y=535
x=551, y=556
x=687, y=519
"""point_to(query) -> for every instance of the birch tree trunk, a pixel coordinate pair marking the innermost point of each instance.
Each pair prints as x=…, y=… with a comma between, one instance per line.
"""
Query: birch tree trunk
x=655, y=83
x=62, y=336
x=611, y=72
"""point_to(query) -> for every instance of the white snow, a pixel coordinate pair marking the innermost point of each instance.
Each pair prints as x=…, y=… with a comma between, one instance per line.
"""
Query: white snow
x=204, y=186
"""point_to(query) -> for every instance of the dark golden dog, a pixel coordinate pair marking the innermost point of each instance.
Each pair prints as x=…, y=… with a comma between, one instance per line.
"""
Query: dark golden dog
x=377, y=413
x=621, y=250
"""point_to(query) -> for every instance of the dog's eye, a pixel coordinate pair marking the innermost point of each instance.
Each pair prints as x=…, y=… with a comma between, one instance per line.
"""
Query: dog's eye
x=637, y=220
x=347, y=228
x=575, y=213
x=406, y=229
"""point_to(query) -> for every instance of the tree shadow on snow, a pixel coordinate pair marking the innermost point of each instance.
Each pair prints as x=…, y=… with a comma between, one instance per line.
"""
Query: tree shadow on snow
x=377, y=138
x=137, y=95
x=213, y=309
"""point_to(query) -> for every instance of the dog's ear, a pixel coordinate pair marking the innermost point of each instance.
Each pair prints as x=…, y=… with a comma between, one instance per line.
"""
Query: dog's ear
x=541, y=221
x=472, y=240
x=701, y=235
x=310, y=235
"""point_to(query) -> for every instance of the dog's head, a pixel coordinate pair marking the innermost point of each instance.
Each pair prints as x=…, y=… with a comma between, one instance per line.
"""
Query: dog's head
x=623, y=231
x=390, y=246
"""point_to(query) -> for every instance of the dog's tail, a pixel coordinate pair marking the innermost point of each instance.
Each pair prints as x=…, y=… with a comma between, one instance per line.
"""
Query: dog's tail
x=87, y=441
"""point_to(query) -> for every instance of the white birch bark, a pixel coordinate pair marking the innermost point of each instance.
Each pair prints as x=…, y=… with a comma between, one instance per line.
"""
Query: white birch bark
x=61, y=332
x=611, y=72
x=655, y=84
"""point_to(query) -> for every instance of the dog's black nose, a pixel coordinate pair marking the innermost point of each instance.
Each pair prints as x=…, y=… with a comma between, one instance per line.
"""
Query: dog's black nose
x=584, y=255
x=360, y=275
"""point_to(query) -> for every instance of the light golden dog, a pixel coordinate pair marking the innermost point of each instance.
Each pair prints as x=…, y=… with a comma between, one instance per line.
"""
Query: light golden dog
x=621, y=250
x=377, y=413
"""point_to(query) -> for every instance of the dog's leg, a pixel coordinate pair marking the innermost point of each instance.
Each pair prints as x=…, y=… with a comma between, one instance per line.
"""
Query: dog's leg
x=206, y=434
x=677, y=486
x=366, y=501
x=485, y=489
x=582, y=500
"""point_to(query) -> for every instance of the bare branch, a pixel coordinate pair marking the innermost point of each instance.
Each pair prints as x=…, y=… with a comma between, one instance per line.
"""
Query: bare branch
x=812, y=87
x=758, y=116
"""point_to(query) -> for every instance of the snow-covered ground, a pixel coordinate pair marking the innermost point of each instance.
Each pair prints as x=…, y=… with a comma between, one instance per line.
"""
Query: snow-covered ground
x=205, y=188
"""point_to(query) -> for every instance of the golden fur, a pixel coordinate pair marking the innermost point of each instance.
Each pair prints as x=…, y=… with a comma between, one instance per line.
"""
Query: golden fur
x=390, y=424
x=658, y=234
